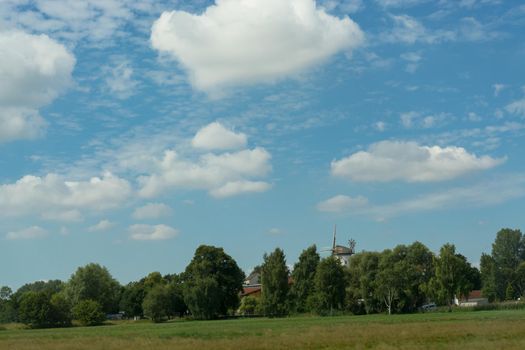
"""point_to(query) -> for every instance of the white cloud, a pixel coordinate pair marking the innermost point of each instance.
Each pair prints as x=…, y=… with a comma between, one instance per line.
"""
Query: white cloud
x=152, y=232
x=487, y=193
x=34, y=70
x=399, y=3
x=211, y=172
x=234, y=188
x=516, y=107
x=215, y=136
x=62, y=215
x=52, y=195
x=102, y=225
x=237, y=42
x=20, y=124
x=28, y=233
x=342, y=203
x=408, y=161
x=275, y=231
x=151, y=211
x=120, y=80
x=498, y=88
x=343, y=6
x=413, y=59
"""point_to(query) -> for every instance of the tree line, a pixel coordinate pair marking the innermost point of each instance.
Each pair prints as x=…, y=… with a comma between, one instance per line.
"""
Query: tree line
x=398, y=280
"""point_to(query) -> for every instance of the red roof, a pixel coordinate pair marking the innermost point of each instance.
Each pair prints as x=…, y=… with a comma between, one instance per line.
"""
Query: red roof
x=250, y=290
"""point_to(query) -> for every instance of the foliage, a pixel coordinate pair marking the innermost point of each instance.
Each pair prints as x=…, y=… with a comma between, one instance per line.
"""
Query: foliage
x=250, y=305
x=329, y=286
x=275, y=284
x=488, y=277
x=89, y=312
x=361, y=276
x=176, y=304
x=156, y=303
x=303, y=278
x=212, y=283
x=131, y=299
x=450, y=277
x=94, y=282
x=41, y=309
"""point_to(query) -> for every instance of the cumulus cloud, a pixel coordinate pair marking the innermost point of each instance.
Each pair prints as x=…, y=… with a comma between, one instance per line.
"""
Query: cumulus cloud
x=53, y=196
x=342, y=203
x=28, y=233
x=34, y=70
x=237, y=42
x=151, y=211
x=408, y=161
x=102, y=225
x=517, y=107
x=152, y=232
x=211, y=172
x=215, y=136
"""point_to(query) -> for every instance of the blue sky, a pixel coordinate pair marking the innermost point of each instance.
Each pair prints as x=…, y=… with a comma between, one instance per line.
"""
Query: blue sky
x=133, y=131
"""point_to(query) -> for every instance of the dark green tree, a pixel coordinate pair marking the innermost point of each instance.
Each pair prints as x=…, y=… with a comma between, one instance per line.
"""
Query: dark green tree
x=42, y=309
x=508, y=252
x=275, y=284
x=303, y=278
x=212, y=283
x=176, y=304
x=156, y=303
x=94, y=282
x=89, y=313
x=488, y=277
x=329, y=286
x=131, y=299
x=361, y=278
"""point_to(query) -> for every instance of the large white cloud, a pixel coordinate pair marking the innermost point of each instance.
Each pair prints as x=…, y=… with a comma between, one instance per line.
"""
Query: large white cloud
x=236, y=42
x=234, y=188
x=34, y=70
x=152, y=232
x=53, y=197
x=211, y=172
x=408, y=161
x=215, y=136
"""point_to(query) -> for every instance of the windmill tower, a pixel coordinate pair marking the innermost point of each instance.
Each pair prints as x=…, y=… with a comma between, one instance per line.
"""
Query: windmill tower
x=340, y=252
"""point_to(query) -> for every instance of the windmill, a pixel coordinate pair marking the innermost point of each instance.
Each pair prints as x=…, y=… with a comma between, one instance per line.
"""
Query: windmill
x=340, y=252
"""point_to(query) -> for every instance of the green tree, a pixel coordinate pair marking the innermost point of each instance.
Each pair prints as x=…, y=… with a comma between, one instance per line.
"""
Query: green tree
x=249, y=305
x=487, y=267
x=508, y=252
x=390, y=279
x=131, y=299
x=450, y=275
x=329, y=286
x=94, y=282
x=156, y=303
x=5, y=293
x=43, y=309
x=275, y=284
x=361, y=278
x=89, y=313
x=175, y=290
x=212, y=283
x=303, y=278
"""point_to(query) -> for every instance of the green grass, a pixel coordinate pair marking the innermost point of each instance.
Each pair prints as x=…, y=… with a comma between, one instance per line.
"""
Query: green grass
x=465, y=330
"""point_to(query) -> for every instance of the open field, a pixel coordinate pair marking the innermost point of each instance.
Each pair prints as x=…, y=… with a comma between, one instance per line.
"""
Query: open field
x=466, y=330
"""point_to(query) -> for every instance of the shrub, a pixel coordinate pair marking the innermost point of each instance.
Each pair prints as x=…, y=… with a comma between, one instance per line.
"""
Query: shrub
x=249, y=306
x=89, y=313
x=42, y=309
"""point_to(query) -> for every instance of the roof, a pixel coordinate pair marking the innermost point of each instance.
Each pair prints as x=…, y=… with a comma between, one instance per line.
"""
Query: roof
x=474, y=294
x=251, y=289
x=342, y=250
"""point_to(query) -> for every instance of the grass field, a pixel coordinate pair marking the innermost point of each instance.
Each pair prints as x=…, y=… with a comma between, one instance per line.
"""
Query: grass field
x=466, y=330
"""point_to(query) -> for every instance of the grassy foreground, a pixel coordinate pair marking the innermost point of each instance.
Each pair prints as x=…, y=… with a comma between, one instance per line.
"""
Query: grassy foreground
x=465, y=330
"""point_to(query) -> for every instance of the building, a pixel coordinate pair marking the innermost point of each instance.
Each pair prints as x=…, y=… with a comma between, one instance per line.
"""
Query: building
x=342, y=253
x=474, y=298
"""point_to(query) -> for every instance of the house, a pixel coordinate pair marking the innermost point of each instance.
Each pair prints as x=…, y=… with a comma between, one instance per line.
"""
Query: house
x=474, y=298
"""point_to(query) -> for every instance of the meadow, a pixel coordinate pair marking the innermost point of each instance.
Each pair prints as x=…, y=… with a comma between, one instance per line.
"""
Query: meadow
x=502, y=329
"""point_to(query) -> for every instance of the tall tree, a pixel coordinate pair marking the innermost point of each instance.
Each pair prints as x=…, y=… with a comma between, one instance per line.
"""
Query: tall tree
x=329, y=286
x=450, y=275
x=275, y=285
x=303, y=278
x=508, y=252
x=94, y=282
x=488, y=277
x=361, y=276
x=212, y=283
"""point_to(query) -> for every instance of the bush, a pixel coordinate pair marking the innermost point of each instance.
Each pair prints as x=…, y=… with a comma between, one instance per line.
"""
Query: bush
x=89, y=313
x=250, y=306
x=42, y=309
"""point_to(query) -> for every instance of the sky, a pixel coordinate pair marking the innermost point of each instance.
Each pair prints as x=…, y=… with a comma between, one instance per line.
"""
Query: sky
x=131, y=132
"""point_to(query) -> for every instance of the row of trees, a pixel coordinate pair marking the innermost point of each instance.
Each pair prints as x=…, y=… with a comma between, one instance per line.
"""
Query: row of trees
x=395, y=280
